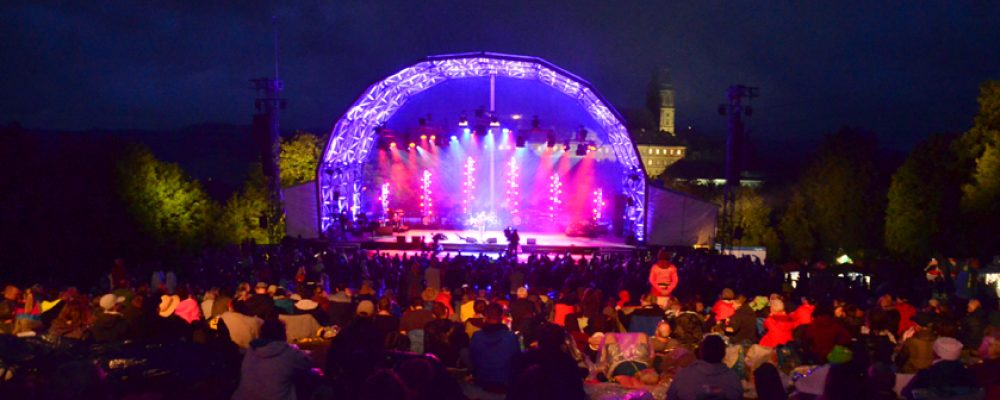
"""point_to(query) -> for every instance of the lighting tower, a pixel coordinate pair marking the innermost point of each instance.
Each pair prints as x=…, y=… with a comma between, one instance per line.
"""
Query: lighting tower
x=266, y=132
x=735, y=154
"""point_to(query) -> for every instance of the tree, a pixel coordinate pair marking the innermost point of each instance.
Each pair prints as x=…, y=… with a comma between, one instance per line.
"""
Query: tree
x=980, y=150
x=299, y=158
x=241, y=218
x=797, y=230
x=921, y=214
x=164, y=201
x=752, y=217
x=844, y=194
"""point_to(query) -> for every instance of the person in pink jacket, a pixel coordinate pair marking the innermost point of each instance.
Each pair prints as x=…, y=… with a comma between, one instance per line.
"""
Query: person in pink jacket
x=663, y=278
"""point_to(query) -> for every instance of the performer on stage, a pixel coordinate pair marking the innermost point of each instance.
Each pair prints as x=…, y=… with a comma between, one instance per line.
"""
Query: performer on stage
x=663, y=278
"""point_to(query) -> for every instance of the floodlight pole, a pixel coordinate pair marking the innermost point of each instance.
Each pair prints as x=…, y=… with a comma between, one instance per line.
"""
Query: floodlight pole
x=735, y=151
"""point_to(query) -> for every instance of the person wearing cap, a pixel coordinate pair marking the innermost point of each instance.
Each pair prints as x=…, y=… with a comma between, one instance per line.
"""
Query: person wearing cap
x=522, y=311
x=917, y=352
x=947, y=372
x=109, y=325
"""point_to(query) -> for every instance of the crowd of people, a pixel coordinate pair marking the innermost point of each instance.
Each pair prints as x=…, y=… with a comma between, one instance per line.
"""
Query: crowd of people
x=298, y=322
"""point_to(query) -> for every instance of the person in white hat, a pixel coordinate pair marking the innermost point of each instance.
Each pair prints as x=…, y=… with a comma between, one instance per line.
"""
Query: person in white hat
x=946, y=372
x=109, y=325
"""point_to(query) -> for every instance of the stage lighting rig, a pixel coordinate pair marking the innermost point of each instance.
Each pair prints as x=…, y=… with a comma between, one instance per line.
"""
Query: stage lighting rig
x=494, y=121
x=463, y=121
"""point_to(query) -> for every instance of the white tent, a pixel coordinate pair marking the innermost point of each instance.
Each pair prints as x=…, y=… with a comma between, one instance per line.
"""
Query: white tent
x=678, y=219
x=300, y=211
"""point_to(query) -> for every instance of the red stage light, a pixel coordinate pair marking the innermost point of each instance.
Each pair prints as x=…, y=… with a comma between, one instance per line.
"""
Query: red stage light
x=413, y=145
x=392, y=145
x=423, y=137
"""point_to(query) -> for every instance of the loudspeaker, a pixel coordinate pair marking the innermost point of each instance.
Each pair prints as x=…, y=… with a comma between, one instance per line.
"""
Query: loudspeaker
x=491, y=241
x=532, y=241
x=400, y=239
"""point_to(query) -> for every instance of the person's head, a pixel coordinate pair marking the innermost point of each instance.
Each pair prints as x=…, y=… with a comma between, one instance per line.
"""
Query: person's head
x=712, y=349
x=663, y=255
x=881, y=378
x=479, y=306
x=973, y=305
x=663, y=330
x=493, y=313
x=384, y=304
x=777, y=306
x=948, y=349
x=273, y=330
x=416, y=303
x=522, y=293
x=768, y=382
x=440, y=310
x=365, y=309
x=740, y=300
x=989, y=349
x=261, y=288
x=728, y=294
x=11, y=293
x=551, y=336
x=885, y=301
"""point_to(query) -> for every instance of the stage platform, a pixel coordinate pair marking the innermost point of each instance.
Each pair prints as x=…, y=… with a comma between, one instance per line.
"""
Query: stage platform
x=456, y=241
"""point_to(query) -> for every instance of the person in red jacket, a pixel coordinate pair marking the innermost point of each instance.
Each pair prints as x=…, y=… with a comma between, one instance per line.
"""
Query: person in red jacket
x=803, y=315
x=663, y=278
x=779, y=326
x=724, y=308
x=906, y=311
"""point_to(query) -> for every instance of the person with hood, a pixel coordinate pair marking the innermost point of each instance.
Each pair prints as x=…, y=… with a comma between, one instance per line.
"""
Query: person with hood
x=708, y=377
x=271, y=366
x=779, y=326
x=663, y=278
x=947, y=372
x=492, y=351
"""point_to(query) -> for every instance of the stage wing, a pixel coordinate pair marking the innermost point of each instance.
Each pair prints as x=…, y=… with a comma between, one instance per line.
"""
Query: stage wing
x=679, y=219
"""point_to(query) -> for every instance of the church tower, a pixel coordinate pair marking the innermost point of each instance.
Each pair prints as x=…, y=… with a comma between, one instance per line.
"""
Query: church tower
x=667, y=110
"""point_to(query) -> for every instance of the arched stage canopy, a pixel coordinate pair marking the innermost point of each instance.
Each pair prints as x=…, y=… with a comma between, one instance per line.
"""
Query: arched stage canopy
x=355, y=133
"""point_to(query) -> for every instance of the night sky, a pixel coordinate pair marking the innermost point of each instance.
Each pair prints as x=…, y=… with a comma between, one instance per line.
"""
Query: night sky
x=902, y=71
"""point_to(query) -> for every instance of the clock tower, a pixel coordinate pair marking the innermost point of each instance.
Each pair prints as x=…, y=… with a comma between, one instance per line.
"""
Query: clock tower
x=666, y=94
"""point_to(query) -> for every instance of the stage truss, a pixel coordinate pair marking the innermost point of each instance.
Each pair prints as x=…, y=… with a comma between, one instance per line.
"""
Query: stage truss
x=354, y=135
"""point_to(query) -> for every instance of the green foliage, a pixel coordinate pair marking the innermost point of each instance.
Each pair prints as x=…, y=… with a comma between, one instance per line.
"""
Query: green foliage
x=843, y=194
x=752, y=216
x=299, y=158
x=796, y=229
x=241, y=217
x=168, y=205
x=921, y=214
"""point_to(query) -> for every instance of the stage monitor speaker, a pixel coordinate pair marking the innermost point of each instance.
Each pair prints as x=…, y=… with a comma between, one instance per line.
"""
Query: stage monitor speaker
x=532, y=241
x=491, y=241
x=400, y=239
x=416, y=239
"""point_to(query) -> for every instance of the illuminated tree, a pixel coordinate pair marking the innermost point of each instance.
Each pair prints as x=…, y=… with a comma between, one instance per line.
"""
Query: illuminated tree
x=299, y=158
x=171, y=207
x=979, y=152
x=752, y=217
x=243, y=214
x=797, y=230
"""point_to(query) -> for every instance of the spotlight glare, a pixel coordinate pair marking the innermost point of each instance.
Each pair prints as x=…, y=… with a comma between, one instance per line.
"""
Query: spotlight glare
x=454, y=138
x=467, y=131
x=423, y=137
x=392, y=145
x=413, y=145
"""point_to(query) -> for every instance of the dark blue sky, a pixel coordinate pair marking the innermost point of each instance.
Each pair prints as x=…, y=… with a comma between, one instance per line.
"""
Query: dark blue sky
x=900, y=69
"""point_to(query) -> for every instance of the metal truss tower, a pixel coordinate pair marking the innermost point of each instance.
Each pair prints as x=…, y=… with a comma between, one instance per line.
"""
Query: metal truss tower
x=267, y=134
x=735, y=158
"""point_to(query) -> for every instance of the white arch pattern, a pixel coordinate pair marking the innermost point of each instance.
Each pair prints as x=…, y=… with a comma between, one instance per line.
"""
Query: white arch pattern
x=354, y=135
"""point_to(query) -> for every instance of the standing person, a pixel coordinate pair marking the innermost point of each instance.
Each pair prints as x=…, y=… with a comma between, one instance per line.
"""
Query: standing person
x=492, y=351
x=271, y=366
x=742, y=325
x=663, y=278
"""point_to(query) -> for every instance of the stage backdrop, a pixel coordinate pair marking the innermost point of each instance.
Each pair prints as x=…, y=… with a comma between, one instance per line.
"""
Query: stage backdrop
x=300, y=211
x=679, y=219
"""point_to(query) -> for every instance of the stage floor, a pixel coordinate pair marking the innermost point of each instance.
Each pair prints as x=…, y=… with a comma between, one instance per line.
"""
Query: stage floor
x=455, y=241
